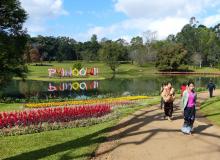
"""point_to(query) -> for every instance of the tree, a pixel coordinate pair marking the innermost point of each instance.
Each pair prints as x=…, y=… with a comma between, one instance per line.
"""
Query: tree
x=12, y=39
x=197, y=59
x=208, y=46
x=171, y=38
x=66, y=49
x=35, y=55
x=136, y=49
x=190, y=40
x=90, y=49
x=193, y=21
x=94, y=38
x=86, y=55
x=94, y=48
x=200, y=41
x=136, y=41
x=216, y=29
x=170, y=55
x=109, y=53
x=139, y=55
x=124, y=49
x=47, y=45
x=143, y=53
x=150, y=38
x=27, y=57
x=55, y=48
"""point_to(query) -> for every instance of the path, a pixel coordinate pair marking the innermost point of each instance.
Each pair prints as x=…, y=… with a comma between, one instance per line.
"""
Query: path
x=147, y=136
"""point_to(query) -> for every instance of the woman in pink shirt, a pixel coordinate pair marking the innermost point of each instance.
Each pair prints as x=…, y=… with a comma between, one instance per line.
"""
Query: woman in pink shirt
x=189, y=108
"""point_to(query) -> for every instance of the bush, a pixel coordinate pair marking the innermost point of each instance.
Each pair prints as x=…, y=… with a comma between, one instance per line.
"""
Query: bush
x=78, y=65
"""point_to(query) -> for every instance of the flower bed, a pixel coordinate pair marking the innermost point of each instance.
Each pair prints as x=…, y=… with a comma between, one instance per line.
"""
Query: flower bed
x=57, y=125
x=112, y=101
x=51, y=115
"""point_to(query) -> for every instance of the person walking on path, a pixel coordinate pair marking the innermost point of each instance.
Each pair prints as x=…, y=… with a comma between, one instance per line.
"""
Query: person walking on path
x=183, y=88
x=211, y=87
x=168, y=95
x=161, y=91
x=188, y=104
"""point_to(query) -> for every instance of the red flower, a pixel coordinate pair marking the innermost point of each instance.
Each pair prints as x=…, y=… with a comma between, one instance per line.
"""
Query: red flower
x=50, y=115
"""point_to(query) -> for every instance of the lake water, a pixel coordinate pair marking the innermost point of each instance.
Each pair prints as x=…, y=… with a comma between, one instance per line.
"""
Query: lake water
x=111, y=87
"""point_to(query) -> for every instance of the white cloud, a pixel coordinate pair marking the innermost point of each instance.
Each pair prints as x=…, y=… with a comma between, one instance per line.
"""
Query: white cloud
x=136, y=26
x=39, y=11
x=163, y=8
x=168, y=25
x=211, y=20
x=164, y=16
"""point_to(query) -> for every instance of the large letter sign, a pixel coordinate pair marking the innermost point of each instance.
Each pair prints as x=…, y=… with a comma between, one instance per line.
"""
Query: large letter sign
x=82, y=72
x=52, y=72
x=61, y=72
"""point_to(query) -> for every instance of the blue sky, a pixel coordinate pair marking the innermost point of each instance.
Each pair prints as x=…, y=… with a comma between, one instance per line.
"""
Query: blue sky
x=115, y=19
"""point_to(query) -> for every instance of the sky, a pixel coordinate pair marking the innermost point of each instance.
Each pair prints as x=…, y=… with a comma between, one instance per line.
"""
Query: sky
x=113, y=19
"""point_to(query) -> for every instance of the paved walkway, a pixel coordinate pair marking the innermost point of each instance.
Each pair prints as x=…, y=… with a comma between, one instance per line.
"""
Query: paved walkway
x=147, y=136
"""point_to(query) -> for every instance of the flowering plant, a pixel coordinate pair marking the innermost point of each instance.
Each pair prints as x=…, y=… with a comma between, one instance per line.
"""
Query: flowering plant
x=112, y=101
x=51, y=115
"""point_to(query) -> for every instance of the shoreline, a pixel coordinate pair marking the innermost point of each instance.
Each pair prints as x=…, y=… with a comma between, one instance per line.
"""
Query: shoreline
x=190, y=73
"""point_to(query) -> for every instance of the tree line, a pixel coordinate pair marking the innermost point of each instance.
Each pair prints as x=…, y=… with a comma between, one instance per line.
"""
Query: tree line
x=195, y=44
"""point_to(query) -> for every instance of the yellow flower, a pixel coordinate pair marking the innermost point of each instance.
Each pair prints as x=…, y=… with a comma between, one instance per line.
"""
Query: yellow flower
x=84, y=102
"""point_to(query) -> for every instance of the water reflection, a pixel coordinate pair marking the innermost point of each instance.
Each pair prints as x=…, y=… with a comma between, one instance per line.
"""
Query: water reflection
x=89, y=85
x=112, y=87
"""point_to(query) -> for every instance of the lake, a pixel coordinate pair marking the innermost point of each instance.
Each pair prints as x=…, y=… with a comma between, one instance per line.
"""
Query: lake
x=149, y=85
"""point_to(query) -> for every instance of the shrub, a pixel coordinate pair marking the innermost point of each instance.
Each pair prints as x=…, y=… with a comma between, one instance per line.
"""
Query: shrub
x=77, y=65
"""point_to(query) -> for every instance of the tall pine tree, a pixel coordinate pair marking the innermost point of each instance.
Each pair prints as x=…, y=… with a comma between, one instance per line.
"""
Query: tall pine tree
x=12, y=39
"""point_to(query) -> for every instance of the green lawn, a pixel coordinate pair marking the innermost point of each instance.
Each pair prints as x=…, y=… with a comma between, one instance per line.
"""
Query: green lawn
x=211, y=109
x=41, y=72
x=75, y=143
x=123, y=71
x=205, y=70
x=10, y=107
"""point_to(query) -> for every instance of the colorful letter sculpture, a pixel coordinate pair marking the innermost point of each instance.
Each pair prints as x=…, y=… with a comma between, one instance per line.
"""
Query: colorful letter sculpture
x=61, y=72
x=52, y=72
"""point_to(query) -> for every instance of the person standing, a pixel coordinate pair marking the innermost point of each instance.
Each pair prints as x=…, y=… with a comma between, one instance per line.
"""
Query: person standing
x=183, y=88
x=168, y=96
x=188, y=104
x=211, y=87
x=161, y=91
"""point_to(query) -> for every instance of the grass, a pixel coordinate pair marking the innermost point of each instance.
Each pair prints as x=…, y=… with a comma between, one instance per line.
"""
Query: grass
x=211, y=110
x=205, y=70
x=10, y=107
x=41, y=72
x=75, y=143
x=123, y=71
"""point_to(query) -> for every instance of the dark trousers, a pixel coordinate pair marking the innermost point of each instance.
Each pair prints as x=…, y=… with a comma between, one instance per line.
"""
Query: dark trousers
x=161, y=103
x=168, y=109
x=189, y=116
x=210, y=93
